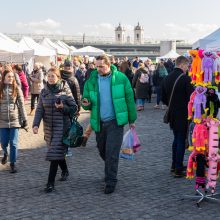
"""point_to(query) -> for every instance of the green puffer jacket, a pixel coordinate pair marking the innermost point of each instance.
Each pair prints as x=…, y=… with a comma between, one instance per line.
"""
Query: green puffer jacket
x=122, y=95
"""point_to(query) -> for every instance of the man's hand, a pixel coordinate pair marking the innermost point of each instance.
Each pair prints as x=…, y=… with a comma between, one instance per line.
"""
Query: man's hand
x=35, y=130
x=132, y=125
x=85, y=102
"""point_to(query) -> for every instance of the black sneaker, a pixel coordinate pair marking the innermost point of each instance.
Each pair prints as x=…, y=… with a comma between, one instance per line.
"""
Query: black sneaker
x=4, y=159
x=13, y=168
x=179, y=173
x=64, y=175
x=109, y=189
x=172, y=169
x=49, y=188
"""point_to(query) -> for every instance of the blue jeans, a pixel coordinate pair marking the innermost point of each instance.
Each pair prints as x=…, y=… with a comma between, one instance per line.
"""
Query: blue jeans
x=158, y=92
x=10, y=136
x=178, y=149
x=140, y=102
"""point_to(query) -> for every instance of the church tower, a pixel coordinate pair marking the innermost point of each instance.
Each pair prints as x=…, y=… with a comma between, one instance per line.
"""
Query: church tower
x=138, y=34
x=119, y=34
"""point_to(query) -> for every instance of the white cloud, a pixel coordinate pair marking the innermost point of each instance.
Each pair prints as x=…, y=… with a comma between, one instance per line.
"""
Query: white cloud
x=106, y=26
x=190, y=32
x=49, y=26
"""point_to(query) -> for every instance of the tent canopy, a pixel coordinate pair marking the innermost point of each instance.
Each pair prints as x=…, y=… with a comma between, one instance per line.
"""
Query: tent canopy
x=215, y=45
x=202, y=43
x=88, y=50
x=51, y=45
x=28, y=43
x=170, y=55
x=64, y=45
x=7, y=45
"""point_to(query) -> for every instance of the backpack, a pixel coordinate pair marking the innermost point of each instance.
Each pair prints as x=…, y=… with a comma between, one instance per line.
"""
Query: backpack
x=144, y=78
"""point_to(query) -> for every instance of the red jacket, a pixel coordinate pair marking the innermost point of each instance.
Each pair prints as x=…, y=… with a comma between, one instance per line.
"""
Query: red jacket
x=24, y=84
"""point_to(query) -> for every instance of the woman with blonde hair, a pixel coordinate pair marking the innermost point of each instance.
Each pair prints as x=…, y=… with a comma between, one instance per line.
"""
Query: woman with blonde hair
x=56, y=106
x=12, y=117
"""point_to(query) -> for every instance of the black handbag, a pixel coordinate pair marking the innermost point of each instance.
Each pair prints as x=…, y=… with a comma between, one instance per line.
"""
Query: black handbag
x=74, y=135
x=166, y=117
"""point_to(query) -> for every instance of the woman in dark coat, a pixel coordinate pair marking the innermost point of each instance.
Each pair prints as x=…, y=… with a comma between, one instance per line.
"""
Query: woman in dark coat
x=141, y=84
x=56, y=106
x=158, y=77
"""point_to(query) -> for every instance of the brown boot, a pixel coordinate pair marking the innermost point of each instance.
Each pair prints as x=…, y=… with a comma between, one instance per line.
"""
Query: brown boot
x=32, y=112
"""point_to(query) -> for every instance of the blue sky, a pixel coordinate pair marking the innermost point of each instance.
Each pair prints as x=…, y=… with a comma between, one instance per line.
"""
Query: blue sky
x=170, y=19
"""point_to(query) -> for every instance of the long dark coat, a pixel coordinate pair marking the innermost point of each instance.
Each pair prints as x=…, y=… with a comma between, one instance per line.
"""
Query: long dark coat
x=142, y=89
x=181, y=96
x=56, y=121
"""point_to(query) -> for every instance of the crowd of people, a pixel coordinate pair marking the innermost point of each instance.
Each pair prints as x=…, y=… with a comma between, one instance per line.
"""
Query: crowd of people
x=58, y=94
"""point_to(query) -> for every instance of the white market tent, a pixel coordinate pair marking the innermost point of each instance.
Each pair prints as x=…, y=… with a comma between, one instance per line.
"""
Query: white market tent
x=170, y=55
x=41, y=54
x=28, y=43
x=51, y=45
x=64, y=45
x=214, y=46
x=88, y=50
x=24, y=57
x=7, y=45
x=10, y=51
x=202, y=43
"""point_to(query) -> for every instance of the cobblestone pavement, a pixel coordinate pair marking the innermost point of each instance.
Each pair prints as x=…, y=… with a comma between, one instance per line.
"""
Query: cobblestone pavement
x=145, y=190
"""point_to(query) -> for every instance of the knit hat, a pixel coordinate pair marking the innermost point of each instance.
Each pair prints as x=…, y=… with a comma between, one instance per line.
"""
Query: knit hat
x=68, y=63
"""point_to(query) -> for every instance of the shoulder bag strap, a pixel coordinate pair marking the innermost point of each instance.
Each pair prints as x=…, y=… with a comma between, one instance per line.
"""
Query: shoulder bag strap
x=171, y=96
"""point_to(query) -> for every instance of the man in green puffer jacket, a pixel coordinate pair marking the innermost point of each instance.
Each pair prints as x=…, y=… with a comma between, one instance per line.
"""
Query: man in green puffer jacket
x=109, y=96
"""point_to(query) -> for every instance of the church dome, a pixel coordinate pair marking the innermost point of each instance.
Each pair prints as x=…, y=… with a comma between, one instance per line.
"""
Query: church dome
x=138, y=27
x=119, y=28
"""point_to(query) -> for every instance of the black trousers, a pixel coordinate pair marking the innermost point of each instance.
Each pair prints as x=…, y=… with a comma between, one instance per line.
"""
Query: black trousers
x=109, y=141
x=54, y=167
x=33, y=98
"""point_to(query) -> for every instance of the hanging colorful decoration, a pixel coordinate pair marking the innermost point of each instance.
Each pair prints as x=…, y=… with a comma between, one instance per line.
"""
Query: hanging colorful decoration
x=203, y=113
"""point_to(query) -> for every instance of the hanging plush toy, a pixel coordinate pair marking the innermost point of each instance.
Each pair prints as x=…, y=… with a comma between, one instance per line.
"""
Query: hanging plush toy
x=190, y=133
x=190, y=105
x=201, y=165
x=216, y=67
x=195, y=70
x=208, y=67
x=199, y=103
x=199, y=142
x=214, y=157
x=200, y=137
x=212, y=102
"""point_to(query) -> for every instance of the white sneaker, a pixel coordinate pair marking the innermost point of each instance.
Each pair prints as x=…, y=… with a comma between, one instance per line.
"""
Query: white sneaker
x=69, y=153
x=157, y=106
x=163, y=107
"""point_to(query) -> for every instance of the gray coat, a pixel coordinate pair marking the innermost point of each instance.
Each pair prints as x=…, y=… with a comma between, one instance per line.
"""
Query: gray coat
x=37, y=81
x=10, y=115
x=56, y=121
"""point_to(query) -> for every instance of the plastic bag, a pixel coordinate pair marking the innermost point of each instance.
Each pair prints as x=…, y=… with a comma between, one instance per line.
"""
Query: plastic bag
x=127, y=151
x=136, y=141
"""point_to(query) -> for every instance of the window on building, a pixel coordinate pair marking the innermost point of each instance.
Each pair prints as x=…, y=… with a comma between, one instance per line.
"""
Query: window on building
x=118, y=36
